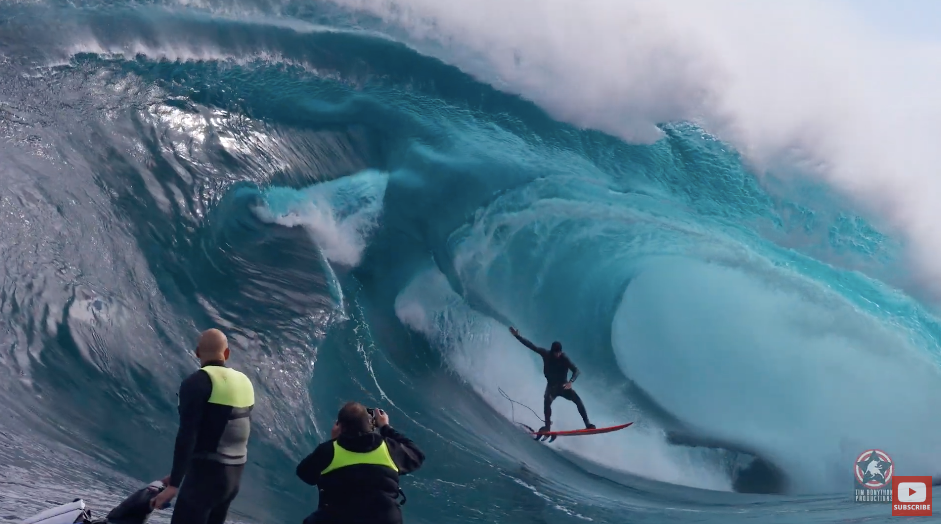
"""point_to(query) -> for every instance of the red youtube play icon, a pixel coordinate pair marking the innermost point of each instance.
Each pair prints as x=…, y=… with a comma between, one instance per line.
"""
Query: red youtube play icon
x=911, y=496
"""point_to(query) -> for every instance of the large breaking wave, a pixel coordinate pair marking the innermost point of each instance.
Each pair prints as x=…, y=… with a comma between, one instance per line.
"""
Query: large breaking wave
x=366, y=221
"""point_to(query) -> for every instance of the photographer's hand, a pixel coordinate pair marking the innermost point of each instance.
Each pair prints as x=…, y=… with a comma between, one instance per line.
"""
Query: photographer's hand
x=381, y=418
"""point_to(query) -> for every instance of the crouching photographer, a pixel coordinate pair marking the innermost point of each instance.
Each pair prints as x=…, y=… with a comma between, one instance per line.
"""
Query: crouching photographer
x=357, y=471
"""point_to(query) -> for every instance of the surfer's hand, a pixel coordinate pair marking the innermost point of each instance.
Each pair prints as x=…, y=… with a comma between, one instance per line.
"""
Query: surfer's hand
x=567, y=385
x=382, y=418
x=515, y=332
x=165, y=480
x=163, y=497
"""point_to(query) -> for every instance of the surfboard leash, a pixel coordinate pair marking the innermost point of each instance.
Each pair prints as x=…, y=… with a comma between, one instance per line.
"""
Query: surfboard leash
x=513, y=411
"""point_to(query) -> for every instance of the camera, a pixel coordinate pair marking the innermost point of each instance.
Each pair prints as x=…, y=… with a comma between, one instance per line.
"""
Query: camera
x=372, y=416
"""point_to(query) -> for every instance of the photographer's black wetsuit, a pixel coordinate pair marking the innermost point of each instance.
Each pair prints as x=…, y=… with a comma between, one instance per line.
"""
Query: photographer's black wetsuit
x=555, y=367
x=358, y=477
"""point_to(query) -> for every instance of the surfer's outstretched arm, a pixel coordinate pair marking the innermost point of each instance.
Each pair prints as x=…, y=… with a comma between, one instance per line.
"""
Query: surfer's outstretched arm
x=530, y=345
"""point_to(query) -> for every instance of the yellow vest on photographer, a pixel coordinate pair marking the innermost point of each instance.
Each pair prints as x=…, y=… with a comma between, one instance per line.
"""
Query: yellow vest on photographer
x=343, y=457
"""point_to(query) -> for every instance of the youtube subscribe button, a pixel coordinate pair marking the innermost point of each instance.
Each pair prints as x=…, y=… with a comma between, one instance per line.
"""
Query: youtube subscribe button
x=911, y=496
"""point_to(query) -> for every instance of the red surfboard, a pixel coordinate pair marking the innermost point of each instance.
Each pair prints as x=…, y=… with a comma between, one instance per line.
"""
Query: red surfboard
x=573, y=432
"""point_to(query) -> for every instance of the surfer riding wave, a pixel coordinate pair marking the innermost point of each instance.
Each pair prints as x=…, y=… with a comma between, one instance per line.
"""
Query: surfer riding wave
x=555, y=367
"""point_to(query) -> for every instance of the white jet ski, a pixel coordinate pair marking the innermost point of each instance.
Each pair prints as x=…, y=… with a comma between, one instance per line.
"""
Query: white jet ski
x=133, y=510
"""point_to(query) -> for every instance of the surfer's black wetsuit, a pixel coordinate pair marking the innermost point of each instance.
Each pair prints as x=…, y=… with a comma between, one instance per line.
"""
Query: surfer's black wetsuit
x=555, y=368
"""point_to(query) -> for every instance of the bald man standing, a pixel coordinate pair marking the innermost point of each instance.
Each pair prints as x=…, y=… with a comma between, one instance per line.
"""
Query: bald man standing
x=215, y=405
